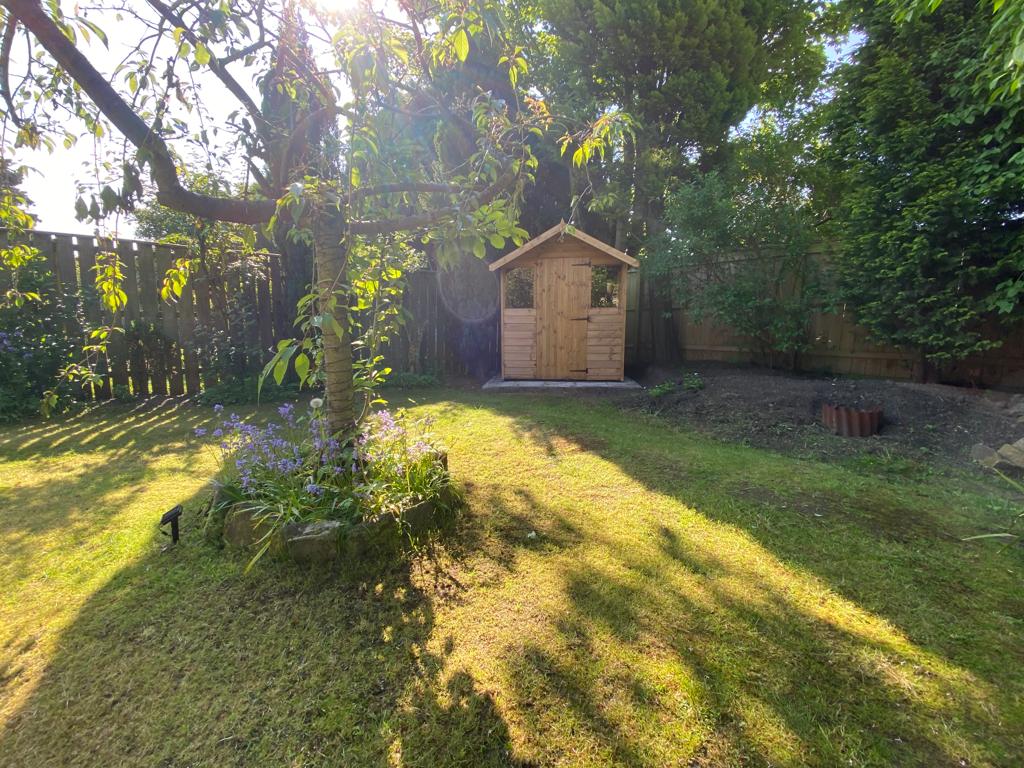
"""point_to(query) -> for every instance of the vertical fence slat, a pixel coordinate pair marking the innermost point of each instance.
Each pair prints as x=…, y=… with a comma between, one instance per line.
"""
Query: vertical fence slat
x=92, y=311
x=90, y=253
x=282, y=329
x=204, y=327
x=153, y=275
x=149, y=348
x=252, y=331
x=187, y=333
x=118, y=346
x=64, y=261
x=264, y=310
x=135, y=325
x=168, y=326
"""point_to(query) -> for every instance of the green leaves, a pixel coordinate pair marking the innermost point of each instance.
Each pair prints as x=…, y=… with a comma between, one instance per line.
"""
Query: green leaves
x=611, y=129
x=202, y=54
x=301, y=366
x=460, y=41
x=109, y=278
x=929, y=184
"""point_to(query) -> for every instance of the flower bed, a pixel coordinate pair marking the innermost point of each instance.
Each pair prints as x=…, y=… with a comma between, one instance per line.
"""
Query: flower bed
x=291, y=488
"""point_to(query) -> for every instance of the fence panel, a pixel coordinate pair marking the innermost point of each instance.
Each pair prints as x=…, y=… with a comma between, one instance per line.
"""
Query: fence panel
x=838, y=344
x=159, y=352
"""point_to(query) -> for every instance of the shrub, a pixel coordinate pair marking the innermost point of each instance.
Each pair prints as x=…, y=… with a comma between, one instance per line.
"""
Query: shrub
x=245, y=391
x=35, y=344
x=737, y=245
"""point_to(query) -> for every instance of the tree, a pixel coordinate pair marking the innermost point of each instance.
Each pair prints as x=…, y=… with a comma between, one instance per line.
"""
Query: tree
x=418, y=154
x=737, y=246
x=687, y=72
x=929, y=182
x=1002, y=75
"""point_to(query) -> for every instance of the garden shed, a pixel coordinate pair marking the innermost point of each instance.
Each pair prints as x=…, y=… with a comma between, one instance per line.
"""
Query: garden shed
x=563, y=308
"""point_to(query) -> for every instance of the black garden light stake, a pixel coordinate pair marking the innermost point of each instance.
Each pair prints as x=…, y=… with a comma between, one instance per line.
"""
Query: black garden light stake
x=172, y=518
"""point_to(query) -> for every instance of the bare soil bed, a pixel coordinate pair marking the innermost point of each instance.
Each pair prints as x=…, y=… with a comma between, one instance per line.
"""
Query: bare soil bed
x=781, y=412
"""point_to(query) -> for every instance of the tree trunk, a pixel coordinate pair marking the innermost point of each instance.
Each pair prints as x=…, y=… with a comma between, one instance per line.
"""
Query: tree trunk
x=331, y=256
x=622, y=221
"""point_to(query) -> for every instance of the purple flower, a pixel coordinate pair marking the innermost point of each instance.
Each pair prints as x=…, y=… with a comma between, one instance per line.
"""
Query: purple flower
x=200, y=431
x=419, y=448
x=286, y=411
x=218, y=408
x=218, y=432
x=314, y=489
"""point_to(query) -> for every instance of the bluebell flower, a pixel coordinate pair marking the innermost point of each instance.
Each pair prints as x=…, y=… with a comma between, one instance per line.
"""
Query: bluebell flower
x=218, y=408
x=200, y=431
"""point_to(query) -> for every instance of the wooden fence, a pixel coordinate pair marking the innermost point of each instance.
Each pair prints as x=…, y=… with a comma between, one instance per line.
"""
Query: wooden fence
x=452, y=325
x=168, y=348
x=451, y=328
x=175, y=348
x=658, y=329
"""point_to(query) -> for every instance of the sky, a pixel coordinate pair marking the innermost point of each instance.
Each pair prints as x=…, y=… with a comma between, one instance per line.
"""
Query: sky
x=52, y=184
x=53, y=179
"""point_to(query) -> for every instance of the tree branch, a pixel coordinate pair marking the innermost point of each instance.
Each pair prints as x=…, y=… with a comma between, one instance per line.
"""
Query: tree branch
x=377, y=190
x=152, y=148
x=216, y=66
x=10, y=29
x=422, y=220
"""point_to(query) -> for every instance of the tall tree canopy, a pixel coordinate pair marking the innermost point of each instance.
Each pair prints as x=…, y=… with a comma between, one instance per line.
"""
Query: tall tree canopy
x=930, y=175
x=688, y=71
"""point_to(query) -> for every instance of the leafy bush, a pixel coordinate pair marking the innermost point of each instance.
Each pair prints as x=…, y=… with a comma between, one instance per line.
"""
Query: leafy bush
x=292, y=470
x=407, y=380
x=928, y=173
x=737, y=245
x=246, y=391
x=35, y=344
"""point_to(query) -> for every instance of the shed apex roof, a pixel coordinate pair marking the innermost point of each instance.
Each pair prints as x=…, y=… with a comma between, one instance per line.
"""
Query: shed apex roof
x=567, y=229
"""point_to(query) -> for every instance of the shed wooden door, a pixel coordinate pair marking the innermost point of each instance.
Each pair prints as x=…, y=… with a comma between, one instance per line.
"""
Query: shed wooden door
x=563, y=302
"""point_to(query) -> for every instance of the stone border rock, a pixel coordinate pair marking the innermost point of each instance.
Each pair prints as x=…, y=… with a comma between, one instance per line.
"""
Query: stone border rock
x=330, y=541
x=1008, y=458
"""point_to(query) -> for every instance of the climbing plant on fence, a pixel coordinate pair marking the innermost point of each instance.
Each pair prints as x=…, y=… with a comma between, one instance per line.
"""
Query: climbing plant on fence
x=165, y=347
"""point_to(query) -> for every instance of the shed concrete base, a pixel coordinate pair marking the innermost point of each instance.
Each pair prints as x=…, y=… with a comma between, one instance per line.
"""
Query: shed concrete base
x=499, y=383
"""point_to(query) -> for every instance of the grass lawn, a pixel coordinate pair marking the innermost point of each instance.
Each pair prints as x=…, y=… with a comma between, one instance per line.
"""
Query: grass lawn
x=684, y=602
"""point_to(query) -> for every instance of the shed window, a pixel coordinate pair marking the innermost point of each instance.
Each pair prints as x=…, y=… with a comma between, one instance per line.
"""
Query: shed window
x=519, y=288
x=604, y=286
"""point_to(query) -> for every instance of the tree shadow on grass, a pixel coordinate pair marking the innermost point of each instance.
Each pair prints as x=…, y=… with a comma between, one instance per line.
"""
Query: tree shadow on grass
x=183, y=660
x=67, y=484
x=789, y=648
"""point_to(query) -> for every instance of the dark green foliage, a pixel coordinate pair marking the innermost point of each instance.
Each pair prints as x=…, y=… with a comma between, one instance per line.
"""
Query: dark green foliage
x=687, y=71
x=691, y=69
x=243, y=391
x=34, y=344
x=737, y=245
x=409, y=380
x=930, y=176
